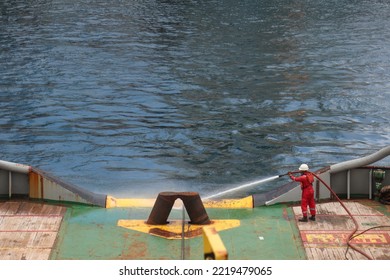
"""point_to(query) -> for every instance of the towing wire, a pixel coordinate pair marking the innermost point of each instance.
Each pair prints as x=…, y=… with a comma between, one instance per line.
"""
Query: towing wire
x=352, y=234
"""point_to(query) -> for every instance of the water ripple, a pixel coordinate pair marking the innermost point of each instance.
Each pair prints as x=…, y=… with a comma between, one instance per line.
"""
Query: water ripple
x=123, y=96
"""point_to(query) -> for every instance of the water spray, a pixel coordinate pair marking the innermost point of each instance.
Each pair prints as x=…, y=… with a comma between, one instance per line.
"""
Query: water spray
x=251, y=184
x=255, y=183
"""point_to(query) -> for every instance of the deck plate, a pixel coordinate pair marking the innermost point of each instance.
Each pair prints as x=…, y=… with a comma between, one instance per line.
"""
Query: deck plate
x=28, y=230
x=327, y=237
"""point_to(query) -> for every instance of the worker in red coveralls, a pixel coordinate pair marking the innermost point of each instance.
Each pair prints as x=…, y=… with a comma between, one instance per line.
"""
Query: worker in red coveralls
x=306, y=179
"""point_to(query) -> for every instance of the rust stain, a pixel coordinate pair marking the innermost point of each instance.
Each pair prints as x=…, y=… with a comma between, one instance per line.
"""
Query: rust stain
x=285, y=214
x=42, y=194
x=176, y=235
x=34, y=185
x=173, y=230
x=136, y=250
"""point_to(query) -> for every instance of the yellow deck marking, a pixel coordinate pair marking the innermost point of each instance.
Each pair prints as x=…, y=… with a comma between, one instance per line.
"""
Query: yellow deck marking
x=341, y=238
x=173, y=230
x=246, y=202
x=112, y=202
x=213, y=247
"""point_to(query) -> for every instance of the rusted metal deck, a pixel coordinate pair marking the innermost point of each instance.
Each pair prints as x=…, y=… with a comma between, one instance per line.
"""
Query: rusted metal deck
x=326, y=238
x=28, y=230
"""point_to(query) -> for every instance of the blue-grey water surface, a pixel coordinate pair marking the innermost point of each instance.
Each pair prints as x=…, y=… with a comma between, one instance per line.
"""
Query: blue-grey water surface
x=132, y=97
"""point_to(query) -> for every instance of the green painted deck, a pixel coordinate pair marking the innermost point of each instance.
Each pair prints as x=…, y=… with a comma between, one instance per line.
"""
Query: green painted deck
x=92, y=233
x=34, y=230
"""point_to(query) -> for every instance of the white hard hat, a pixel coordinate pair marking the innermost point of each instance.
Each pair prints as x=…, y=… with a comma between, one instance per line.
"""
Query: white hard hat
x=304, y=167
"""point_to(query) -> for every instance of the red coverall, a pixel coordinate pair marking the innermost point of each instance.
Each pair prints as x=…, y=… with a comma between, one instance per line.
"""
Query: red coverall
x=306, y=181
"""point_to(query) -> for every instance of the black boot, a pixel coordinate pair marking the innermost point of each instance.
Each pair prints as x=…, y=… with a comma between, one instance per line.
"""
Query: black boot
x=312, y=218
x=304, y=219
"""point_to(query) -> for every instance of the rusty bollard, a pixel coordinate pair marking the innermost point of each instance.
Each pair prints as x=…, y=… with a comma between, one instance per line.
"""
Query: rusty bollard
x=164, y=203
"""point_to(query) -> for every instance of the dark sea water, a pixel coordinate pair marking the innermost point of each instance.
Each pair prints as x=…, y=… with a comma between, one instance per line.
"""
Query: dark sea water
x=131, y=97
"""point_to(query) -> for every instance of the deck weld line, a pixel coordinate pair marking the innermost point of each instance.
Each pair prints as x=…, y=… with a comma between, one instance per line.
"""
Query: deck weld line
x=343, y=244
x=354, y=215
x=26, y=247
x=336, y=231
x=40, y=230
x=28, y=215
x=346, y=232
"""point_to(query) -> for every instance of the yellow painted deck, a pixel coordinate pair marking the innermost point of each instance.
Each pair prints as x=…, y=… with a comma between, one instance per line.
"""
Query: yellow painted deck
x=326, y=238
x=28, y=230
